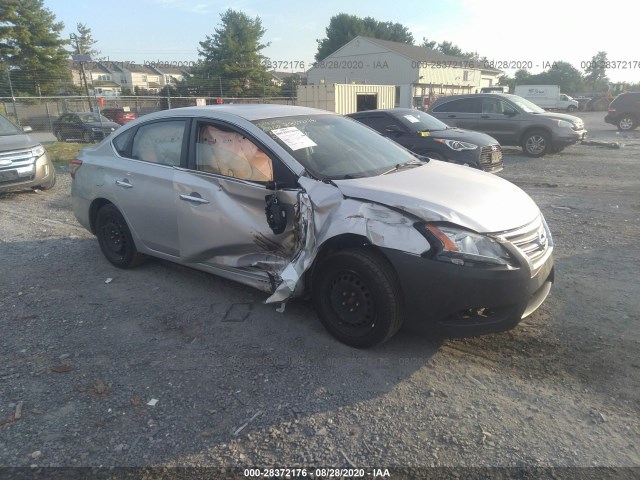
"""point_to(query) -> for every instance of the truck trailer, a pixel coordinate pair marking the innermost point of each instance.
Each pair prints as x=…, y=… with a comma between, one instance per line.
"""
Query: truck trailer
x=547, y=96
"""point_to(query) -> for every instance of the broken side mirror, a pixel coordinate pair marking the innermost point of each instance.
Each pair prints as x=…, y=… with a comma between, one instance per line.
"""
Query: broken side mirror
x=276, y=214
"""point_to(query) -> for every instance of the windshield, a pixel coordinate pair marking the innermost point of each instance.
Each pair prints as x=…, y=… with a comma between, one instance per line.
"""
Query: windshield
x=526, y=105
x=8, y=128
x=418, y=121
x=333, y=147
x=92, y=118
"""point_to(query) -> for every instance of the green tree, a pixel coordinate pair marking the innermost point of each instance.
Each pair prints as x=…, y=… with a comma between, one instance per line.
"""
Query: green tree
x=426, y=43
x=289, y=87
x=31, y=48
x=232, y=58
x=559, y=73
x=596, y=72
x=344, y=27
x=85, y=42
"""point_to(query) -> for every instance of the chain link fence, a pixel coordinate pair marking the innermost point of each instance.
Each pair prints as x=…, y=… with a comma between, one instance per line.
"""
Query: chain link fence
x=40, y=113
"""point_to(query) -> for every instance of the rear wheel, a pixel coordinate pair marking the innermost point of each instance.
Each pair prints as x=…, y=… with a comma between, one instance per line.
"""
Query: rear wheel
x=358, y=298
x=536, y=143
x=115, y=238
x=87, y=137
x=626, y=123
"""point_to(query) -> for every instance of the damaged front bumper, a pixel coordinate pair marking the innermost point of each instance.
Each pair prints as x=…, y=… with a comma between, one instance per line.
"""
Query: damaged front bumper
x=457, y=301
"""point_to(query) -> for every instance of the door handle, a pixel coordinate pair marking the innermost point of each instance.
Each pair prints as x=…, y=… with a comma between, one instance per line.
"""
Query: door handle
x=124, y=183
x=485, y=116
x=451, y=116
x=192, y=198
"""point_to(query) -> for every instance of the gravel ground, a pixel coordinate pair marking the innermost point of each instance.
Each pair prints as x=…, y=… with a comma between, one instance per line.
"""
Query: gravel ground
x=167, y=366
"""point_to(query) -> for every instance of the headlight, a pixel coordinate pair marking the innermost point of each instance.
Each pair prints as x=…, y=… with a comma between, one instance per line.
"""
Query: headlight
x=564, y=123
x=463, y=247
x=456, y=144
x=37, y=151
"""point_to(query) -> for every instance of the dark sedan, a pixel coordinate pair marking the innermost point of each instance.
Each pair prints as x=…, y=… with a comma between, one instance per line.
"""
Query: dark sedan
x=86, y=126
x=425, y=135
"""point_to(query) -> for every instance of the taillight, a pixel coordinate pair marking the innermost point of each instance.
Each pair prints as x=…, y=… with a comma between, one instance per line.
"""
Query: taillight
x=74, y=165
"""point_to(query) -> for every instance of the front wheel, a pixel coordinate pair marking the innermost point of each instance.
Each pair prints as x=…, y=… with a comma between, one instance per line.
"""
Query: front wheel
x=115, y=238
x=87, y=137
x=59, y=136
x=536, y=143
x=358, y=298
x=627, y=123
x=571, y=108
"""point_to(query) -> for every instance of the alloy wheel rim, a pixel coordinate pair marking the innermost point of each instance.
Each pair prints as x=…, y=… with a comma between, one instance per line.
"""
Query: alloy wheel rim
x=536, y=144
x=626, y=123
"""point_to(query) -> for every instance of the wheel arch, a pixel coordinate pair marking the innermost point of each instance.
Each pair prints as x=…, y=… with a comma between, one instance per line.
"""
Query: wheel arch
x=334, y=244
x=96, y=205
x=540, y=128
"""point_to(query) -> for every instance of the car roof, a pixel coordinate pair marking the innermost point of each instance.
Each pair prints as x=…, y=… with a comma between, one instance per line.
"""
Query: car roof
x=387, y=110
x=249, y=112
x=448, y=98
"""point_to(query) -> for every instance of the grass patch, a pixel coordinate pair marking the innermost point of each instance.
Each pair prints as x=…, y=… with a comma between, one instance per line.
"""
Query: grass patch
x=61, y=153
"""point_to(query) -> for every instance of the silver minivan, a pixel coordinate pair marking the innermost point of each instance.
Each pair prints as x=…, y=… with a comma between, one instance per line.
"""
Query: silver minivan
x=302, y=202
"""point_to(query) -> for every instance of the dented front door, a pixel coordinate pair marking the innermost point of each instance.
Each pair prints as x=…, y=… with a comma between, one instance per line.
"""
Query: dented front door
x=222, y=223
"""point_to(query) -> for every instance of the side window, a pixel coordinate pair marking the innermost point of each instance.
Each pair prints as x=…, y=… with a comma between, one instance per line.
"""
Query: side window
x=378, y=122
x=159, y=142
x=226, y=152
x=121, y=142
x=491, y=105
x=463, y=105
x=508, y=109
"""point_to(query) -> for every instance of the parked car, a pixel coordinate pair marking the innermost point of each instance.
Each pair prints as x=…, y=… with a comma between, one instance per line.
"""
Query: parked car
x=294, y=201
x=120, y=115
x=24, y=163
x=512, y=120
x=41, y=122
x=86, y=126
x=624, y=111
x=425, y=135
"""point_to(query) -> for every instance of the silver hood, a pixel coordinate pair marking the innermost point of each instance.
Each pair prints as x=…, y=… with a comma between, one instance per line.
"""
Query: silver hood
x=440, y=191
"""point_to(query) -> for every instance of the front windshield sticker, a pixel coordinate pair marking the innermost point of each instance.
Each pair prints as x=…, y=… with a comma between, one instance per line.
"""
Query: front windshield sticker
x=293, y=138
x=411, y=118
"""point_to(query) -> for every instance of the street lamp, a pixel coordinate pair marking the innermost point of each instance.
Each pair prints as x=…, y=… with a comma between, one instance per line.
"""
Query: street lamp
x=79, y=57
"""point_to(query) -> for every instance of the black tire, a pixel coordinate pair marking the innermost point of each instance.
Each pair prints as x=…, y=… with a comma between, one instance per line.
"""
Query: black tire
x=59, y=136
x=357, y=297
x=571, y=108
x=626, y=123
x=536, y=143
x=115, y=238
x=87, y=137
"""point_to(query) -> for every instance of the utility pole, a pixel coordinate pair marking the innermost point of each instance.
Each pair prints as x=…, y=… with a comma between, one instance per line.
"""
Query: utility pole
x=81, y=59
x=13, y=98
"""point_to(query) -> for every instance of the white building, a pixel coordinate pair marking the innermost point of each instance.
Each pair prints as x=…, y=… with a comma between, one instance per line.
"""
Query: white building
x=419, y=74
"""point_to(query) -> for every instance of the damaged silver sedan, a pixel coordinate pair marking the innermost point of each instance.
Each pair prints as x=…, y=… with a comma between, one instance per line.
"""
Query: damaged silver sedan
x=302, y=202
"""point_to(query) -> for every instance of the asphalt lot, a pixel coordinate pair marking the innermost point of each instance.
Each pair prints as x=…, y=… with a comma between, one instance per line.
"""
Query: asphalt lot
x=167, y=366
